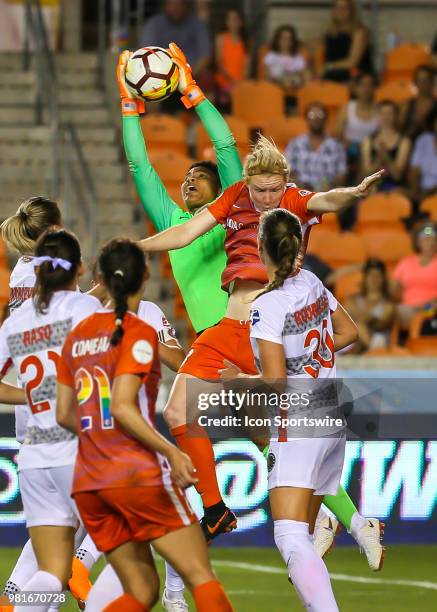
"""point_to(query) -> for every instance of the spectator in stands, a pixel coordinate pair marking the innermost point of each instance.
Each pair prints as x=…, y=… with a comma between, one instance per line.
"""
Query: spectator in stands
x=346, y=44
x=387, y=148
x=423, y=164
x=415, y=276
x=372, y=308
x=285, y=63
x=318, y=162
x=232, y=57
x=416, y=114
x=177, y=23
x=358, y=119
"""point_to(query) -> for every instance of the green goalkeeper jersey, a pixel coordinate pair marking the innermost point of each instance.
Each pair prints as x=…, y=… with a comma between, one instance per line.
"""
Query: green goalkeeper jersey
x=198, y=267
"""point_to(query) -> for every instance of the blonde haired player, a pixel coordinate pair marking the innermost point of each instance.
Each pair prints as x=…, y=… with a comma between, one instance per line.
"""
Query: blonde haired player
x=265, y=187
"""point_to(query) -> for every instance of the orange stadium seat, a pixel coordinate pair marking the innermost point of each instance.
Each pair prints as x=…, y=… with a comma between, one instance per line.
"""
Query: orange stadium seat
x=397, y=91
x=402, y=61
x=389, y=245
x=337, y=248
x=171, y=167
x=383, y=210
x=4, y=286
x=348, y=285
x=257, y=102
x=429, y=205
x=416, y=324
x=164, y=133
x=390, y=351
x=425, y=346
x=332, y=95
x=283, y=129
x=238, y=127
x=260, y=67
x=329, y=220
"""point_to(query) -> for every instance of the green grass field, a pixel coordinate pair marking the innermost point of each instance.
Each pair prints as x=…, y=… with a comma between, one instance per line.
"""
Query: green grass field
x=256, y=579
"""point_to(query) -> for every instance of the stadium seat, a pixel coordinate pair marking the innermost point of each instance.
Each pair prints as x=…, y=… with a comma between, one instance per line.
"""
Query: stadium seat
x=416, y=324
x=4, y=286
x=164, y=133
x=329, y=220
x=260, y=67
x=257, y=102
x=383, y=210
x=3, y=255
x=425, y=346
x=283, y=129
x=332, y=95
x=429, y=205
x=337, y=248
x=402, y=61
x=397, y=91
x=171, y=167
x=389, y=245
x=391, y=351
x=348, y=285
x=240, y=130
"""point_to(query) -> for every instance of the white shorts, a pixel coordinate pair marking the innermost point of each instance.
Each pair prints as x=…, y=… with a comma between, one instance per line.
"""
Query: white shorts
x=308, y=463
x=45, y=493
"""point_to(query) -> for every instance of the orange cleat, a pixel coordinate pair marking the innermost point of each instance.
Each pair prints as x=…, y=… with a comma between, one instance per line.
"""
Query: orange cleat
x=79, y=583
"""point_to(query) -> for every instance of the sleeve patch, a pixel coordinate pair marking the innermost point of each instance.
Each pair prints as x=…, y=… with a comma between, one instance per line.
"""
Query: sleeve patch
x=142, y=351
x=254, y=316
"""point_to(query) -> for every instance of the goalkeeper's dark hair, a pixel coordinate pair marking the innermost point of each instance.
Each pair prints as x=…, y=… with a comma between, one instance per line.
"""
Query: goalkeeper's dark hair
x=280, y=236
x=33, y=217
x=61, y=244
x=123, y=266
x=212, y=169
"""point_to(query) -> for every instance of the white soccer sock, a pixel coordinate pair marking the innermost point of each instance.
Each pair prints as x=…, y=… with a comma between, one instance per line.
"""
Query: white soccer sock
x=41, y=581
x=357, y=521
x=25, y=567
x=306, y=569
x=106, y=588
x=174, y=585
x=88, y=553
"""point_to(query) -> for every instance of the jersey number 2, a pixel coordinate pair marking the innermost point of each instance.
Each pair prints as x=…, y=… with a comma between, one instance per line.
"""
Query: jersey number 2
x=85, y=386
x=33, y=383
x=324, y=343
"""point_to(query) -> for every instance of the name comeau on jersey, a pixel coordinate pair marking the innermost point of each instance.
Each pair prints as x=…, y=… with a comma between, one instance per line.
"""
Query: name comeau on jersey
x=92, y=346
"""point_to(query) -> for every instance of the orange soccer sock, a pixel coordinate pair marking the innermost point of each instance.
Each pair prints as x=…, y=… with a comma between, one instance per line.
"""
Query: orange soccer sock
x=194, y=441
x=127, y=603
x=210, y=597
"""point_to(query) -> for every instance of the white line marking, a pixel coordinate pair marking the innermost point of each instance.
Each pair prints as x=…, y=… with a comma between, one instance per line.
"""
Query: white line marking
x=270, y=569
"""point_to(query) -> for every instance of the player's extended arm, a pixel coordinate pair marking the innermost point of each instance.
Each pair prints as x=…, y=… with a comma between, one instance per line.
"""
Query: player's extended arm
x=179, y=236
x=154, y=197
x=338, y=199
x=228, y=160
x=65, y=416
x=345, y=329
x=9, y=394
x=171, y=354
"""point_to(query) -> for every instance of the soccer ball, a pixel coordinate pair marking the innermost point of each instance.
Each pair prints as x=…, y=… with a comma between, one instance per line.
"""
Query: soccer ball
x=152, y=74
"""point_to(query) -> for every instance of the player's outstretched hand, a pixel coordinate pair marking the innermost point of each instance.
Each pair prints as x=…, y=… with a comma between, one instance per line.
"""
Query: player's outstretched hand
x=182, y=469
x=229, y=371
x=365, y=187
x=192, y=95
x=130, y=105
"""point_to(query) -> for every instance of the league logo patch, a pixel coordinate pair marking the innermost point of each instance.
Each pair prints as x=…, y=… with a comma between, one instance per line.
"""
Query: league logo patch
x=271, y=460
x=142, y=351
x=254, y=316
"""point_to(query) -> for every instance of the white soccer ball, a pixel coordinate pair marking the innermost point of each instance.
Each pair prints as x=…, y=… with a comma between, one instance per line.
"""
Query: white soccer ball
x=152, y=74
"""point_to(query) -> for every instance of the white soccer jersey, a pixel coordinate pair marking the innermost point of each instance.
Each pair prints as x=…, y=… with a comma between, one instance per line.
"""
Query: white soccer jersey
x=153, y=315
x=22, y=282
x=32, y=343
x=298, y=316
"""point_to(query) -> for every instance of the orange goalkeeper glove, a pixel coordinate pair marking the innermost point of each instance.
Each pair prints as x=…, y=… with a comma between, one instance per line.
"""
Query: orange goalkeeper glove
x=192, y=95
x=130, y=105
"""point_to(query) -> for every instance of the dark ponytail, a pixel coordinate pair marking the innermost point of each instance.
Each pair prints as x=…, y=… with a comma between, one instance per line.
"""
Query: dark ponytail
x=280, y=236
x=58, y=271
x=123, y=266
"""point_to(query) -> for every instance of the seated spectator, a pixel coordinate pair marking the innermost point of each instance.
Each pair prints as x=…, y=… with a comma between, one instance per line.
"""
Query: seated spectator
x=232, y=57
x=372, y=308
x=387, y=148
x=284, y=63
x=416, y=114
x=415, y=276
x=346, y=44
x=318, y=162
x=358, y=119
x=423, y=164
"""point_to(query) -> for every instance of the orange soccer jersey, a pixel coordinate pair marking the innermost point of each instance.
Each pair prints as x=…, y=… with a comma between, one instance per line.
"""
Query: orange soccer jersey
x=235, y=210
x=108, y=457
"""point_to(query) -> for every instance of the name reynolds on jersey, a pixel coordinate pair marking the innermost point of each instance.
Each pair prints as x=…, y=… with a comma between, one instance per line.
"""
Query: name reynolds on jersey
x=312, y=312
x=92, y=346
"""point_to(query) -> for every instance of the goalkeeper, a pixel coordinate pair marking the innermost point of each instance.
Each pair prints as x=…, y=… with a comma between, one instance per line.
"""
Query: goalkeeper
x=197, y=268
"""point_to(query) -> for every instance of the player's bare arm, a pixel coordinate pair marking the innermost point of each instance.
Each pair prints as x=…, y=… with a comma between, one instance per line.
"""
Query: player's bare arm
x=171, y=354
x=11, y=395
x=336, y=200
x=65, y=416
x=345, y=330
x=180, y=236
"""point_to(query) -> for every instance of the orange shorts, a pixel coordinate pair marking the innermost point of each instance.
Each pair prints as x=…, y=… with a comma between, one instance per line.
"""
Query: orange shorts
x=115, y=516
x=229, y=339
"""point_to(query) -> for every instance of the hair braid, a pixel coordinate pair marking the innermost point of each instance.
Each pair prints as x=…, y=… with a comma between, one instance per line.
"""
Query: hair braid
x=118, y=291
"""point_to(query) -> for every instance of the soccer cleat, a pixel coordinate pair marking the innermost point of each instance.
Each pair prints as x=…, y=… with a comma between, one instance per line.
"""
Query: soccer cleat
x=325, y=530
x=173, y=605
x=79, y=583
x=369, y=538
x=213, y=526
